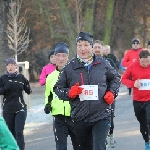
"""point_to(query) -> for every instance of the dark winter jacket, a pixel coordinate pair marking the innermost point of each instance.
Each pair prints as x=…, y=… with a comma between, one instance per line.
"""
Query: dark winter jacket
x=111, y=62
x=114, y=58
x=101, y=74
x=12, y=90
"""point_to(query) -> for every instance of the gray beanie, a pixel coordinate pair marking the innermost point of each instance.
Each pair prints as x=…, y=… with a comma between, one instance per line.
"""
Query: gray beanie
x=10, y=61
x=135, y=40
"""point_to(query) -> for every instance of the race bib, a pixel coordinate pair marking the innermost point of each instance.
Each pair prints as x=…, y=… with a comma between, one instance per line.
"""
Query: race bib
x=144, y=84
x=90, y=92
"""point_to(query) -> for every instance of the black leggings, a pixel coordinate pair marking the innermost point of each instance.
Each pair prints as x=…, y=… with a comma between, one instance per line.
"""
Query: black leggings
x=142, y=113
x=92, y=136
x=62, y=127
x=16, y=122
x=112, y=119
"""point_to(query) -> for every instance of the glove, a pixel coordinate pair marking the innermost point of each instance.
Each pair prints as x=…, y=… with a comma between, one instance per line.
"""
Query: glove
x=109, y=97
x=47, y=108
x=75, y=90
x=7, y=86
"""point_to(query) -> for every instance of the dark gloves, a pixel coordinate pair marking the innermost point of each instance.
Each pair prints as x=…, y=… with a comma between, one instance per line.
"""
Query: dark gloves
x=48, y=108
x=109, y=97
x=75, y=90
x=27, y=89
x=7, y=86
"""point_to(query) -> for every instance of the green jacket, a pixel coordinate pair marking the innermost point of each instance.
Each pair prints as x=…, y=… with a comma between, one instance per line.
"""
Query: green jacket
x=59, y=107
x=7, y=141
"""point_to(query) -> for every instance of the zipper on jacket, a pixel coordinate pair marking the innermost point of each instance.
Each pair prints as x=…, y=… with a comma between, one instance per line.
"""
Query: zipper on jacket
x=64, y=111
x=82, y=79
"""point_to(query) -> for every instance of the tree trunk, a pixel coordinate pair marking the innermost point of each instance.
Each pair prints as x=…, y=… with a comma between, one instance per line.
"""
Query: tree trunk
x=108, y=21
x=4, y=50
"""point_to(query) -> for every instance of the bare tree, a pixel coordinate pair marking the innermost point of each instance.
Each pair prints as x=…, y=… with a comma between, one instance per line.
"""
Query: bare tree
x=17, y=32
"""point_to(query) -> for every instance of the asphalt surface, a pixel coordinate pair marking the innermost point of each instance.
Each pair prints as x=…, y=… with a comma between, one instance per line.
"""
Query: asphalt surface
x=127, y=134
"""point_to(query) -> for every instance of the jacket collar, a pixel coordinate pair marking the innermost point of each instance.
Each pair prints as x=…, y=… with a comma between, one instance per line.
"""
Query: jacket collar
x=78, y=64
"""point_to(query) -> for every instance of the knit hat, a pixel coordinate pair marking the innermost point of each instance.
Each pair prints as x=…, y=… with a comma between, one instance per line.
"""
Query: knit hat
x=10, y=61
x=61, y=48
x=84, y=36
x=51, y=53
x=135, y=40
x=148, y=43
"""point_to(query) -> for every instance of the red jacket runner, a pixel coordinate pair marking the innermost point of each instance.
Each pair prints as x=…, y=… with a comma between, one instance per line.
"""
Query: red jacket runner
x=129, y=56
x=137, y=72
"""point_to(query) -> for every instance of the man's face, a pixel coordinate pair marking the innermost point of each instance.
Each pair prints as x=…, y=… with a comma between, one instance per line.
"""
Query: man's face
x=106, y=51
x=98, y=49
x=84, y=49
x=61, y=59
x=145, y=62
x=135, y=45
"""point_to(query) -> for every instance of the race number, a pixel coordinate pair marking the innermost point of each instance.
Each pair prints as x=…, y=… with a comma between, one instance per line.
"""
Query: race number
x=144, y=84
x=90, y=92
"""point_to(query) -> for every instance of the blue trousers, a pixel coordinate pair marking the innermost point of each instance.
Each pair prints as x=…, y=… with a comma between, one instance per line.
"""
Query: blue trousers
x=16, y=123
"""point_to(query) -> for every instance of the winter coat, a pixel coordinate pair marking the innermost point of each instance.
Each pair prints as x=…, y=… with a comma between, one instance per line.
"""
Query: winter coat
x=114, y=59
x=101, y=74
x=130, y=56
x=13, y=97
x=136, y=71
x=45, y=72
x=7, y=141
x=59, y=107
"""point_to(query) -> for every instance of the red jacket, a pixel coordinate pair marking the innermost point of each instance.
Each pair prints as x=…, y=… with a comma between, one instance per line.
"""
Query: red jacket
x=129, y=56
x=137, y=72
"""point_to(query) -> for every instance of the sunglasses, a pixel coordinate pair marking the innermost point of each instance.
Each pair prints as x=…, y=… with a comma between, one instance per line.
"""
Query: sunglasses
x=135, y=43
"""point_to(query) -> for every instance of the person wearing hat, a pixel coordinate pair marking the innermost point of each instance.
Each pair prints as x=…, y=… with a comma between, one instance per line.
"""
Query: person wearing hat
x=49, y=68
x=131, y=55
x=90, y=85
x=60, y=109
x=12, y=85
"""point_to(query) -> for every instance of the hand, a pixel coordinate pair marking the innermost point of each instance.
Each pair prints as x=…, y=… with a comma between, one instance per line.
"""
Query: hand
x=109, y=97
x=75, y=90
x=47, y=108
x=7, y=86
x=133, y=60
x=137, y=83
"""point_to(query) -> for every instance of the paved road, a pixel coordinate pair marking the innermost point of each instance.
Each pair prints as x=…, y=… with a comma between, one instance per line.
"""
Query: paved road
x=126, y=130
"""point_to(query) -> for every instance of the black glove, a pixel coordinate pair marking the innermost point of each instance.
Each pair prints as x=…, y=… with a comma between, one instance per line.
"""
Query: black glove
x=47, y=108
x=7, y=86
